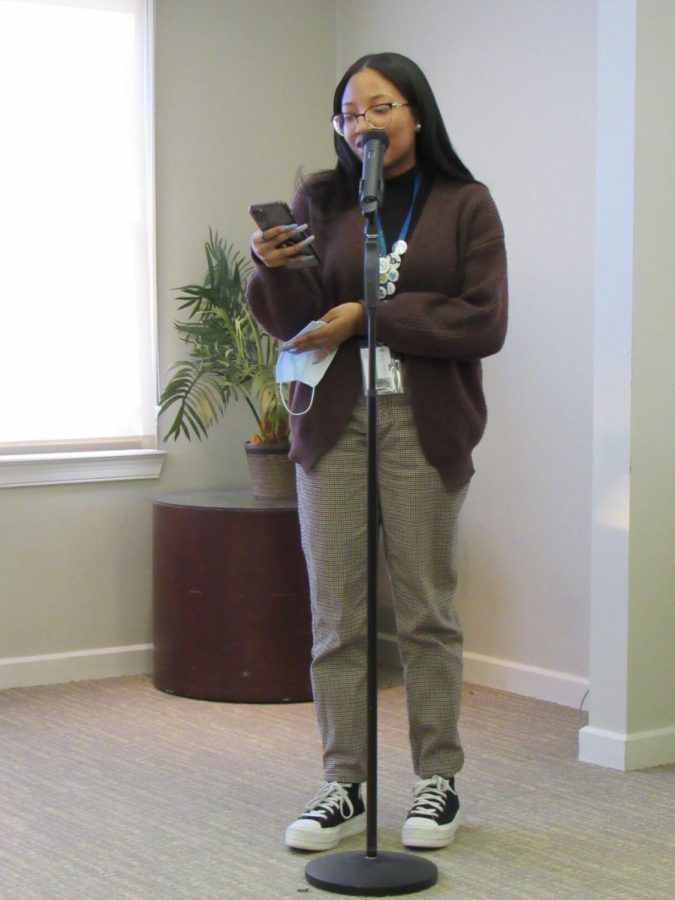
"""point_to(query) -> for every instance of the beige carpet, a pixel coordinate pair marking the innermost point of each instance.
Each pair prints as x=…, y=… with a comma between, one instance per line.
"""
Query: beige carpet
x=111, y=789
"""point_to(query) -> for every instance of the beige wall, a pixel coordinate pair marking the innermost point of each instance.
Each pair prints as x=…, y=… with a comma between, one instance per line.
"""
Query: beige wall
x=516, y=85
x=237, y=93
x=651, y=654
x=632, y=701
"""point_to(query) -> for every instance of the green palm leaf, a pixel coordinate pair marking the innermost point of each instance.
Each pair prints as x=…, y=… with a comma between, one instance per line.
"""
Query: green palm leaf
x=229, y=357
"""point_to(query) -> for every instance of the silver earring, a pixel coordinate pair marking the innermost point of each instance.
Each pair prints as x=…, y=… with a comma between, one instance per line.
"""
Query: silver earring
x=418, y=127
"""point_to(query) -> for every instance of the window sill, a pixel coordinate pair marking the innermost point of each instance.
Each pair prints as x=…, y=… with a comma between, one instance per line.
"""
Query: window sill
x=33, y=470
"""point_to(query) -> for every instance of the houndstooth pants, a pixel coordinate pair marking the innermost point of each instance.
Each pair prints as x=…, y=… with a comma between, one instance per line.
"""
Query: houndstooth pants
x=419, y=523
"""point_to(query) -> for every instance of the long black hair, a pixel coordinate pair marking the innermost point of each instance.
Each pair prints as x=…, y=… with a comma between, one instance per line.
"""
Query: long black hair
x=336, y=189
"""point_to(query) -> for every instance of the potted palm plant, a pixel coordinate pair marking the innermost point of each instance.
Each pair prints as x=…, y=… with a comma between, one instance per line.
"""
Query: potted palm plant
x=229, y=358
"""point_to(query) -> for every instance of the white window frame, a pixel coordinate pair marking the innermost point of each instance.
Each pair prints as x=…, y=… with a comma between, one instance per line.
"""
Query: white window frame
x=65, y=462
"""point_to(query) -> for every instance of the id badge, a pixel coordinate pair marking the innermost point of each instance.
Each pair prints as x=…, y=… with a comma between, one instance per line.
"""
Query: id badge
x=388, y=371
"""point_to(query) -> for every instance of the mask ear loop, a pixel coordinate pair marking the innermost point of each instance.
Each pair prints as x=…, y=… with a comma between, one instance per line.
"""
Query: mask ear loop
x=285, y=404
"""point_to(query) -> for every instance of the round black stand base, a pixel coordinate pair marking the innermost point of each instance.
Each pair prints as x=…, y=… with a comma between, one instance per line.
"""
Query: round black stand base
x=383, y=875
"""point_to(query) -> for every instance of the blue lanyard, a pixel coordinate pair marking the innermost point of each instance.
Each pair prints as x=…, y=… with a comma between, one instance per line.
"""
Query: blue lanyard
x=406, y=222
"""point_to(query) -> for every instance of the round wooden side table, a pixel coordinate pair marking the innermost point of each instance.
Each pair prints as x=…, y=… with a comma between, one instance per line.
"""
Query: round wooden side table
x=231, y=598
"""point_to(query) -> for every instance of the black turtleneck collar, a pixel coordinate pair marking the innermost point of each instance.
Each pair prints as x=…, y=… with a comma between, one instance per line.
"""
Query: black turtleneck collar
x=398, y=192
x=404, y=180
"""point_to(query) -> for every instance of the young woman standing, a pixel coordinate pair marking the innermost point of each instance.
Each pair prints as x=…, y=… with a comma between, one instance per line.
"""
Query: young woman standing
x=443, y=308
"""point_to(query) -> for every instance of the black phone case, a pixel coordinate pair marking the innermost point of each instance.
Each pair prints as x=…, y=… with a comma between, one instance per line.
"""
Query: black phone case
x=267, y=215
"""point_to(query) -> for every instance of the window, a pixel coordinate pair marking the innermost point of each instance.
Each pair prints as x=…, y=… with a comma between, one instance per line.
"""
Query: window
x=77, y=367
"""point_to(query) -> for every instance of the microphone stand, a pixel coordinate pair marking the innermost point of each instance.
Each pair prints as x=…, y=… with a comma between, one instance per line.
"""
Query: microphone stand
x=377, y=874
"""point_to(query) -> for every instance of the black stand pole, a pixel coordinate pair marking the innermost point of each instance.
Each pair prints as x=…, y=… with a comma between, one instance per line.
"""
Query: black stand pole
x=375, y=874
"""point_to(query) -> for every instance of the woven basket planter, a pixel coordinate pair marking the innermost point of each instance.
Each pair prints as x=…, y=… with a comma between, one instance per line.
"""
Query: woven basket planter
x=272, y=472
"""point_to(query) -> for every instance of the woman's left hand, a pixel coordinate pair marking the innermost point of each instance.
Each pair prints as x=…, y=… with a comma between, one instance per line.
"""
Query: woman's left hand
x=342, y=322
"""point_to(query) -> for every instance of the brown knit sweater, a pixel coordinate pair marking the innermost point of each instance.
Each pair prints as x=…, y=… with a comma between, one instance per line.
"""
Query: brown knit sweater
x=449, y=311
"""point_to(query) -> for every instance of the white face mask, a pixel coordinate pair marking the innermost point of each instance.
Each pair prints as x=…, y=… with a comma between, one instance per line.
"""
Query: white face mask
x=308, y=367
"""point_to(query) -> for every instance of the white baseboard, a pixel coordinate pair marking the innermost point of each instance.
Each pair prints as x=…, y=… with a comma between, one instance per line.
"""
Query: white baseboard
x=111, y=662
x=640, y=750
x=78, y=665
x=504, y=675
x=528, y=681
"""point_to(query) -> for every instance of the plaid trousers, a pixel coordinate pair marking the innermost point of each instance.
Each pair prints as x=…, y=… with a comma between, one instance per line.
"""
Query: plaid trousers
x=419, y=524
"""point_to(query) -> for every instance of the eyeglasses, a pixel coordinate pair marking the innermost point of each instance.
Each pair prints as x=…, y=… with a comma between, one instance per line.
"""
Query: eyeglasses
x=378, y=116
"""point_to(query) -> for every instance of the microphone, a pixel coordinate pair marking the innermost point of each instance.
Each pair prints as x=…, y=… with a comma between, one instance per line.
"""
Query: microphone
x=371, y=186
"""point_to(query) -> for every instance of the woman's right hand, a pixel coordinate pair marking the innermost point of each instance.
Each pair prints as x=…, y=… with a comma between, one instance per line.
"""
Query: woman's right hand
x=268, y=246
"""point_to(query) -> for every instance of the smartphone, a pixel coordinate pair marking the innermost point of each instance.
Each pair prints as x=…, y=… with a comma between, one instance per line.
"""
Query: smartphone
x=267, y=215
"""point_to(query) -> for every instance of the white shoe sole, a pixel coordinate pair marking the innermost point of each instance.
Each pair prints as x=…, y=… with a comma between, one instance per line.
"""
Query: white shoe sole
x=300, y=838
x=417, y=833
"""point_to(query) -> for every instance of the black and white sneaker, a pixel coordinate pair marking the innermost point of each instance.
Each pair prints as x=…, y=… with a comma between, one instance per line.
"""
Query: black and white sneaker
x=434, y=816
x=335, y=813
